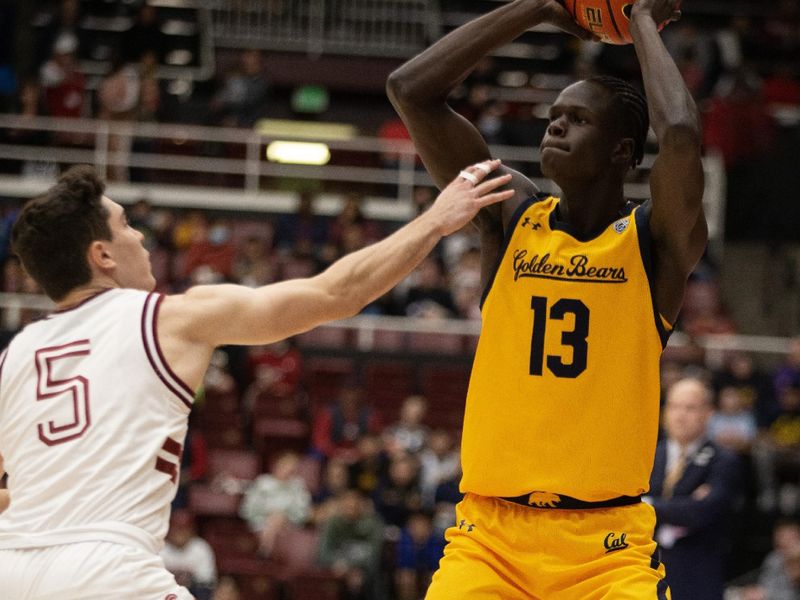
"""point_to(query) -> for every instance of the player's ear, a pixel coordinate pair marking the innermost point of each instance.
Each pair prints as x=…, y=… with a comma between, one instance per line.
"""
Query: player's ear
x=622, y=154
x=98, y=255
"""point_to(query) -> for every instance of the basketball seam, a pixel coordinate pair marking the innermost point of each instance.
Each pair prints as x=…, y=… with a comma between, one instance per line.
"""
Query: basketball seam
x=614, y=21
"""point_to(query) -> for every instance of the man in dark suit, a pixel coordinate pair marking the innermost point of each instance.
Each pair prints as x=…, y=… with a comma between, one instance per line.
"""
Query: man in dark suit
x=692, y=486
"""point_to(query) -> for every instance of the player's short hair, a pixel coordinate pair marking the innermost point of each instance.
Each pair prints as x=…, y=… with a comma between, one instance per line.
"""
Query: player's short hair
x=630, y=109
x=54, y=231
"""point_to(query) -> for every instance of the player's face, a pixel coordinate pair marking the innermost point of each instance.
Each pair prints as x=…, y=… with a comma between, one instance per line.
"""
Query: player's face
x=132, y=260
x=578, y=141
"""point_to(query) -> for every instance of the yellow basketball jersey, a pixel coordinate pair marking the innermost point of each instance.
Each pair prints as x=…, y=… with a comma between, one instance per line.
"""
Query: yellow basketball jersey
x=564, y=391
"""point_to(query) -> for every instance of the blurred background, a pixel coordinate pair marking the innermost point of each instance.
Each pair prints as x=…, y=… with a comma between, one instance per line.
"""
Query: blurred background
x=253, y=142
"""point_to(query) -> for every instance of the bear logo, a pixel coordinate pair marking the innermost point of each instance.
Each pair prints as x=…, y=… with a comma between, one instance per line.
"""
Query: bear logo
x=544, y=500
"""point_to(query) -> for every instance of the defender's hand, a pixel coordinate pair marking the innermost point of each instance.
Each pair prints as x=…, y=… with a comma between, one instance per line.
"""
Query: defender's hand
x=660, y=11
x=467, y=194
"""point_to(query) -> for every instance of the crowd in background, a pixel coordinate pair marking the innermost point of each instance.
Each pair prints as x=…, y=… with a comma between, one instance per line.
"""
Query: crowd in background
x=373, y=487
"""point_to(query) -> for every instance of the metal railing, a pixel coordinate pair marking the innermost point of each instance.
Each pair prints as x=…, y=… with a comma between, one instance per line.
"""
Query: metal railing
x=360, y=27
x=111, y=146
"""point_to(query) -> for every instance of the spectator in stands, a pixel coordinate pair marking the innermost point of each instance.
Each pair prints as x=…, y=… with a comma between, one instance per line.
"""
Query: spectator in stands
x=64, y=85
x=63, y=21
x=30, y=106
x=189, y=557
x=211, y=253
x=145, y=36
x=419, y=550
x=777, y=454
x=789, y=371
x=399, y=494
x=274, y=370
x=440, y=462
x=255, y=265
x=465, y=284
x=703, y=310
x=350, y=545
x=754, y=386
x=335, y=482
x=448, y=494
x=352, y=215
x=779, y=575
x=410, y=434
x=692, y=488
x=371, y=466
x=733, y=424
x=227, y=589
x=428, y=296
x=337, y=427
x=276, y=500
x=303, y=229
x=245, y=93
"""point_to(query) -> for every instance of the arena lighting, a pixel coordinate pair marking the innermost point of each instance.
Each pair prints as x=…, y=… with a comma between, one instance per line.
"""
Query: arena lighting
x=305, y=130
x=298, y=153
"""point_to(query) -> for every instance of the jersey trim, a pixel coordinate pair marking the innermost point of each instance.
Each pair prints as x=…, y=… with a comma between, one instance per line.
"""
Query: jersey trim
x=154, y=354
x=61, y=311
x=642, y=216
x=512, y=225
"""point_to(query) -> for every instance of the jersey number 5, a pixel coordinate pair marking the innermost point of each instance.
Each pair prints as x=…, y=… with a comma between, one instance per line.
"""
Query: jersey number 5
x=576, y=338
x=74, y=388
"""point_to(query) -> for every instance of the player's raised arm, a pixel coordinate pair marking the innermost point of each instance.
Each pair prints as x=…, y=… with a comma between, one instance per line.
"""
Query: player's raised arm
x=209, y=316
x=677, y=221
x=419, y=88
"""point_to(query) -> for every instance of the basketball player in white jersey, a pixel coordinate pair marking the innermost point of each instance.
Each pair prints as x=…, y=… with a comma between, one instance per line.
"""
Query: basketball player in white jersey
x=94, y=398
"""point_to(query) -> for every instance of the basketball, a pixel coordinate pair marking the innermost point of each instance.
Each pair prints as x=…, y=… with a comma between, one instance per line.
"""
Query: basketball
x=609, y=19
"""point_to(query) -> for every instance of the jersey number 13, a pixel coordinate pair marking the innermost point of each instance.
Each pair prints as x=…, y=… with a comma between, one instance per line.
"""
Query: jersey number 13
x=575, y=338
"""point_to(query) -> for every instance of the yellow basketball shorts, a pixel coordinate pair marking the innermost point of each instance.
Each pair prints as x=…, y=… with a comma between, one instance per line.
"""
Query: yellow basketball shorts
x=504, y=551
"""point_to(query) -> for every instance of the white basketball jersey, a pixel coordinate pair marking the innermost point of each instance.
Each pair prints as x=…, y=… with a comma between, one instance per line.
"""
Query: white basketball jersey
x=92, y=426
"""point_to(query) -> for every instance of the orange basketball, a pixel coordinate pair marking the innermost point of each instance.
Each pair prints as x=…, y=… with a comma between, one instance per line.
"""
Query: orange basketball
x=609, y=19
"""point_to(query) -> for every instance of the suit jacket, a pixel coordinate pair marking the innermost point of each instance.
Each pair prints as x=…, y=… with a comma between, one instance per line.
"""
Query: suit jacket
x=694, y=562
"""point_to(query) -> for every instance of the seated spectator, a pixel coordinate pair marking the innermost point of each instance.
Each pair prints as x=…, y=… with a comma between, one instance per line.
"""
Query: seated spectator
x=189, y=557
x=335, y=482
x=399, y=495
x=274, y=370
x=212, y=247
x=409, y=435
x=440, y=462
x=227, y=589
x=337, y=428
x=350, y=545
x=789, y=371
x=448, y=494
x=244, y=95
x=419, y=550
x=428, y=295
x=254, y=265
x=777, y=457
x=30, y=106
x=370, y=469
x=779, y=575
x=754, y=386
x=733, y=424
x=275, y=500
x=302, y=231
x=64, y=86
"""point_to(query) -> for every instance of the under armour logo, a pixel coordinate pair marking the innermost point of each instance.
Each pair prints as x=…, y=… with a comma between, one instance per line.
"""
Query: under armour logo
x=463, y=523
x=527, y=222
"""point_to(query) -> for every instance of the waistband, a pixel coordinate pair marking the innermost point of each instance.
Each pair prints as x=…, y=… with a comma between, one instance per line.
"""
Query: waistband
x=550, y=500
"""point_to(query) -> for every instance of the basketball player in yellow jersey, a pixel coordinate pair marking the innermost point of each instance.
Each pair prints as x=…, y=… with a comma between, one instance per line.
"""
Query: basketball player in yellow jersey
x=562, y=410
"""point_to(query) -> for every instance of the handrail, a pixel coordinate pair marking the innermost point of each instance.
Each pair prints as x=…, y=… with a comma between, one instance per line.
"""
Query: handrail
x=365, y=326
x=405, y=174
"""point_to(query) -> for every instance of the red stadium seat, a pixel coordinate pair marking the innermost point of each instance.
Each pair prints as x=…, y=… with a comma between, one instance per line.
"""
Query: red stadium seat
x=203, y=500
x=235, y=463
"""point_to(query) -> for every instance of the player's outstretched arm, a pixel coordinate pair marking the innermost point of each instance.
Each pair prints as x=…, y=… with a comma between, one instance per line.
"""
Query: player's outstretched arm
x=419, y=88
x=677, y=221
x=209, y=316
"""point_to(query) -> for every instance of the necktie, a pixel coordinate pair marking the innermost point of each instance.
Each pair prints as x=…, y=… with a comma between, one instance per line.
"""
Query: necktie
x=675, y=473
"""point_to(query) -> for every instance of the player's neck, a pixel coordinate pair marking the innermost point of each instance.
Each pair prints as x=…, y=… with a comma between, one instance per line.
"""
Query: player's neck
x=590, y=206
x=82, y=293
